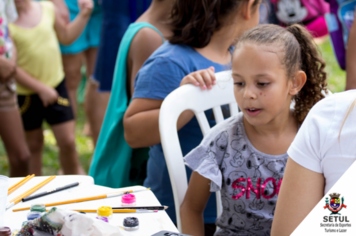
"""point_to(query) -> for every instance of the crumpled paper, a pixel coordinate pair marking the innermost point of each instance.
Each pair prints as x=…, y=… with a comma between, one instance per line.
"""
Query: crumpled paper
x=60, y=222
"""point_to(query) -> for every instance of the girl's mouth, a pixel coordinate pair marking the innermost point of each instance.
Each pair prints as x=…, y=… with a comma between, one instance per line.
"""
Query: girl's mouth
x=253, y=111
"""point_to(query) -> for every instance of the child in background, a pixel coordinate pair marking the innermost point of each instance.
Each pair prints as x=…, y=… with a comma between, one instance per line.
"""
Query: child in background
x=11, y=129
x=41, y=91
x=244, y=157
x=115, y=164
x=203, y=32
x=84, y=50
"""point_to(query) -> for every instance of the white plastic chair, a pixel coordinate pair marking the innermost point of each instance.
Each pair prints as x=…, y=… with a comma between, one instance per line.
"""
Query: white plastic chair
x=190, y=97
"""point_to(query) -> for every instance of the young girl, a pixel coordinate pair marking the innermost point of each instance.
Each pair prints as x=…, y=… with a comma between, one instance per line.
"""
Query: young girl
x=11, y=129
x=320, y=154
x=115, y=164
x=41, y=91
x=84, y=49
x=244, y=156
x=203, y=32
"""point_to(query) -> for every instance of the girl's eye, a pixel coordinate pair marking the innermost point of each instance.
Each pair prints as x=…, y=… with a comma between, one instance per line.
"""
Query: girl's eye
x=262, y=84
x=239, y=84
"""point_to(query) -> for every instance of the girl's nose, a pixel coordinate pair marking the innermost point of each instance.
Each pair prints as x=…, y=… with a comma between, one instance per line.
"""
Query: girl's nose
x=249, y=93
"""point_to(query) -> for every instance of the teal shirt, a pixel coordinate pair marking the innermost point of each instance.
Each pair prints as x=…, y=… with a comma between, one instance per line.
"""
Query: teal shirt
x=111, y=162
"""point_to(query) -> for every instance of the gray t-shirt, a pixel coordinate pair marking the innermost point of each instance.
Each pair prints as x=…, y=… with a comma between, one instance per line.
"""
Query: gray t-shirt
x=249, y=180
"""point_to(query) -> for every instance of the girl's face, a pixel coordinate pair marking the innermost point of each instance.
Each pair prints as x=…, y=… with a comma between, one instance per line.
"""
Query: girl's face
x=261, y=86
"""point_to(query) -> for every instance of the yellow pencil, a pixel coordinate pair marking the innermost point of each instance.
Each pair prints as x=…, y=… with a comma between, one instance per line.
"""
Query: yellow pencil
x=114, y=194
x=19, y=184
x=119, y=211
x=29, y=192
x=34, y=189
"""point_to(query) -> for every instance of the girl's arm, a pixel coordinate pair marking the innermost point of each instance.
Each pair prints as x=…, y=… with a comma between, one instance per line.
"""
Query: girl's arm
x=145, y=42
x=47, y=94
x=301, y=190
x=141, y=118
x=68, y=33
x=141, y=122
x=8, y=66
x=351, y=59
x=193, y=205
x=62, y=10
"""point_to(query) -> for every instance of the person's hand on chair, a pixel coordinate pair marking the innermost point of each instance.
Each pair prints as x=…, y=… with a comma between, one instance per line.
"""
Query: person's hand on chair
x=205, y=79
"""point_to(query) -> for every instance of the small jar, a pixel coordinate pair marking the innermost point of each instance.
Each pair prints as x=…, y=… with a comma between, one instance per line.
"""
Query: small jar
x=5, y=231
x=104, y=213
x=130, y=223
x=128, y=200
x=36, y=211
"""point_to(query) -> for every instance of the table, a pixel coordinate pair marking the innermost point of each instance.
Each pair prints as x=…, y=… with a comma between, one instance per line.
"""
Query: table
x=150, y=223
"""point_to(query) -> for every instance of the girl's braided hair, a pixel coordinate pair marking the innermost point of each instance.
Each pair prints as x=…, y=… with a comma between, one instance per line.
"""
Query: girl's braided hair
x=299, y=53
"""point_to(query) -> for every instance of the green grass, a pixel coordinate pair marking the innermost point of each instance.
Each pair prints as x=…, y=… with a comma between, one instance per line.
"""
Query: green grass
x=84, y=145
x=336, y=76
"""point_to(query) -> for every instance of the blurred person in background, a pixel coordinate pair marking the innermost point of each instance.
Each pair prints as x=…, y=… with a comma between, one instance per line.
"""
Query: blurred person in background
x=11, y=128
x=115, y=163
x=82, y=51
x=42, y=94
x=117, y=16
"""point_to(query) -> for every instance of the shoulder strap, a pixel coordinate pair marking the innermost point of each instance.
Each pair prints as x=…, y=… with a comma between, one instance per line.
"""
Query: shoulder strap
x=141, y=25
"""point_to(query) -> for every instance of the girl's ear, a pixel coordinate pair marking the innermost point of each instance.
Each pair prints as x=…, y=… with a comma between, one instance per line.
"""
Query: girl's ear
x=247, y=10
x=298, y=82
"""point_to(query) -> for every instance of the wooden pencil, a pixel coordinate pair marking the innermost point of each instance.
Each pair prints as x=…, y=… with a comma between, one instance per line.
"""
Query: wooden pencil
x=120, y=211
x=19, y=184
x=13, y=186
x=108, y=195
x=51, y=191
x=32, y=190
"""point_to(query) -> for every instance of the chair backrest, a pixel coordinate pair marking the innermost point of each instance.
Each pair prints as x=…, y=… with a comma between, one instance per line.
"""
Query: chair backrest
x=190, y=97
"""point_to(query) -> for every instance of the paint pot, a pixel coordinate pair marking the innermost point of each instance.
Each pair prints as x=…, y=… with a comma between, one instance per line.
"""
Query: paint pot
x=5, y=231
x=104, y=211
x=128, y=200
x=36, y=211
x=131, y=223
x=33, y=215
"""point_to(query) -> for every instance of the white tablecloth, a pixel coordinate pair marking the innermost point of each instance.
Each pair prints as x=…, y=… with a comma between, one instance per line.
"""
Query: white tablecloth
x=150, y=223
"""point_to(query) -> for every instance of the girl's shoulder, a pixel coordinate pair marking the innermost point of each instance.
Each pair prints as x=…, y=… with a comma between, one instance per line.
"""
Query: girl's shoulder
x=48, y=8
x=47, y=4
x=177, y=52
x=171, y=57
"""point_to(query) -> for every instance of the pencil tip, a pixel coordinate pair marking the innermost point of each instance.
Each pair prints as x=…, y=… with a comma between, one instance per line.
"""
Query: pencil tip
x=165, y=207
